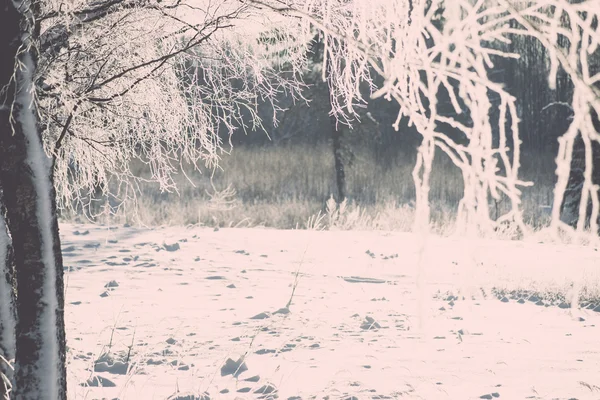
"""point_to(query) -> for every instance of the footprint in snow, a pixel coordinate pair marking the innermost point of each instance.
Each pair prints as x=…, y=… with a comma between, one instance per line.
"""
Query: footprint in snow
x=265, y=351
x=235, y=368
x=262, y=315
x=117, y=368
x=145, y=265
x=358, y=279
x=98, y=381
x=171, y=247
x=369, y=323
x=266, y=389
x=215, y=277
x=115, y=264
x=69, y=249
x=490, y=396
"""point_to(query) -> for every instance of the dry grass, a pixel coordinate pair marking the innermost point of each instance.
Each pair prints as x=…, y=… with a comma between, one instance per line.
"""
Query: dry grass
x=287, y=187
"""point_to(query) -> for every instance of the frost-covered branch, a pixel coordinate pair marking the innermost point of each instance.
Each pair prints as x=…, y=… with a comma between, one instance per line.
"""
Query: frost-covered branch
x=159, y=82
x=429, y=50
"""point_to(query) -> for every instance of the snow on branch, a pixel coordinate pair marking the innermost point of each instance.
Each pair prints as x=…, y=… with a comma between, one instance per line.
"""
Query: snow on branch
x=428, y=49
x=156, y=82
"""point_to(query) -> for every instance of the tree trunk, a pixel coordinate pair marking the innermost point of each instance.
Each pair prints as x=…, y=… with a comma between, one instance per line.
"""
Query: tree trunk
x=29, y=197
x=8, y=322
x=573, y=192
x=336, y=138
x=340, y=174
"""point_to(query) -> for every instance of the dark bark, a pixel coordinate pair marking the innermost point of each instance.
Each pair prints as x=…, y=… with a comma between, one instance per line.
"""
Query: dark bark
x=340, y=174
x=564, y=95
x=336, y=139
x=9, y=24
x=573, y=192
x=22, y=194
x=7, y=320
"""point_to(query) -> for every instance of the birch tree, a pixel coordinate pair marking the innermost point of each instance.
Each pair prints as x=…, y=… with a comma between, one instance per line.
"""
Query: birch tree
x=37, y=337
x=89, y=86
x=86, y=88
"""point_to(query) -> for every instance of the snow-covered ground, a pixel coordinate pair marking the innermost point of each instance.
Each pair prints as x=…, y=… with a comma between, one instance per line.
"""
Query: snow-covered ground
x=183, y=301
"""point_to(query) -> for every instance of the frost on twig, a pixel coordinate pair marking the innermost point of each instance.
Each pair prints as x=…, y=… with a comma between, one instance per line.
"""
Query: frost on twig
x=158, y=83
x=431, y=50
x=151, y=82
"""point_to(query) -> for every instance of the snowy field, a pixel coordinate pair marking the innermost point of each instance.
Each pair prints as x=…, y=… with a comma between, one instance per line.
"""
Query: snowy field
x=156, y=312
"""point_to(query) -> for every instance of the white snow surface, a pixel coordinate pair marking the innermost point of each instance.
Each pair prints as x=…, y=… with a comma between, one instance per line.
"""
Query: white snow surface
x=184, y=298
x=40, y=168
